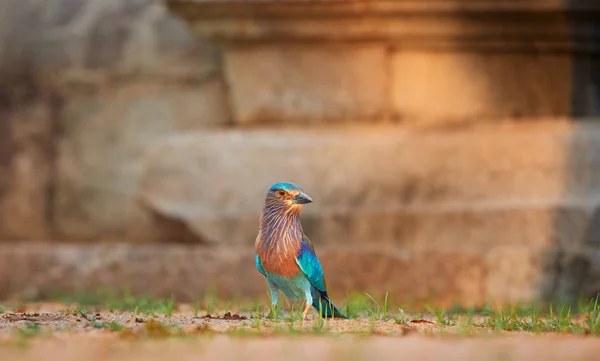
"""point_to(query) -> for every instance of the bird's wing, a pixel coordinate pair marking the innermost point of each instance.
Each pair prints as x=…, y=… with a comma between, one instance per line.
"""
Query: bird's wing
x=309, y=244
x=309, y=264
x=259, y=265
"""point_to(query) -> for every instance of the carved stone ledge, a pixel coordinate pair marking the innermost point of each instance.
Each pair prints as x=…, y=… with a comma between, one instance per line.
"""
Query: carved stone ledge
x=433, y=61
x=547, y=25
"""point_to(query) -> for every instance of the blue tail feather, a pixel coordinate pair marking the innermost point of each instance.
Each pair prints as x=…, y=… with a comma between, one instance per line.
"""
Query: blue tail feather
x=326, y=308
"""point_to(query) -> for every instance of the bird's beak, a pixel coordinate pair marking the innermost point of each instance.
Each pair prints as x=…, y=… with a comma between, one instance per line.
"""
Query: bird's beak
x=302, y=198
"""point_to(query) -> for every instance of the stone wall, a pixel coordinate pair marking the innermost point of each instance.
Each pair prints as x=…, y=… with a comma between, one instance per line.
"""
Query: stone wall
x=86, y=88
x=452, y=157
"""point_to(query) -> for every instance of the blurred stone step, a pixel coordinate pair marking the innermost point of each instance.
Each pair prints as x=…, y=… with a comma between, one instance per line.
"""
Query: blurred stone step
x=495, y=184
x=38, y=270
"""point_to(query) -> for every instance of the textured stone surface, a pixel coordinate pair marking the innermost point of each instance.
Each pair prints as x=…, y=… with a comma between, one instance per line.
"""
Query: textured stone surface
x=515, y=273
x=72, y=36
x=38, y=270
x=501, y=183
x=428, y=276
x=26, y=206
x=411, y=24
x=572, y=273
x=105, y=136
x=307, y=84
x=187, y=272
x=454, y=87
x=93, y=83
x=442, y=277
x=444, y=61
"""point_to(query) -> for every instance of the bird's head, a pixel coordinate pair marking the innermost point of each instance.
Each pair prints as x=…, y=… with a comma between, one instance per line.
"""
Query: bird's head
x=286, y=195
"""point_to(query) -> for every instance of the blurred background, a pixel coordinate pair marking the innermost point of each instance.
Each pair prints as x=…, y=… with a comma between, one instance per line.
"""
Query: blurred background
x=452, y=148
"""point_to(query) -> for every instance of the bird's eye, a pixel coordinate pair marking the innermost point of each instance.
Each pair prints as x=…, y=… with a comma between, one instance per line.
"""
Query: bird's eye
x=281, y=193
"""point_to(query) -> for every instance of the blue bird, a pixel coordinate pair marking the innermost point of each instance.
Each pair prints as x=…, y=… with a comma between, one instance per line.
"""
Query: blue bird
x=286, y=257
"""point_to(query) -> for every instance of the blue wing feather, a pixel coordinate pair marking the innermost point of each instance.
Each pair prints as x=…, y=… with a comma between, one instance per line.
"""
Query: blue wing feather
x=259, y=265
x=309, y=264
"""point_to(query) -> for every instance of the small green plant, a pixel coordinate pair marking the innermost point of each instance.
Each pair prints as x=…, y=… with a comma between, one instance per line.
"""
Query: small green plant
x=167, y=307
x=30, y=330
x=561, y=322
x=442, y=320
x=469, y=322
x=318, y=326
x=592, y=318
x=196, y=308
x=376, y=313
x=114, y=326
x=503, y=322
x=401, y=318
x=274, y=313
x=356, y=305
x=385, y=307
x=294, y=314
x=80, y=310
x=256, y=315
x=255, y=323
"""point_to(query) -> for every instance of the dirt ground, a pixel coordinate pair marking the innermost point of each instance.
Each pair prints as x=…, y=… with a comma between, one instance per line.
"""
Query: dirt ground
x=52, y=334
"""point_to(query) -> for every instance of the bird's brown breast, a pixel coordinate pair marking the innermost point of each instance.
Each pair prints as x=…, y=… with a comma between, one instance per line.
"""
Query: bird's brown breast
x=279, y=259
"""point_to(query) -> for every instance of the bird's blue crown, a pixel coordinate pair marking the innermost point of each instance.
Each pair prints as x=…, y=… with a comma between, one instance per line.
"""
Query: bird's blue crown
x=288, y=186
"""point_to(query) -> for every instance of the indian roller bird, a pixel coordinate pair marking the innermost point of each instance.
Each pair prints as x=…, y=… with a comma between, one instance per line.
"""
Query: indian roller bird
x=286, y=257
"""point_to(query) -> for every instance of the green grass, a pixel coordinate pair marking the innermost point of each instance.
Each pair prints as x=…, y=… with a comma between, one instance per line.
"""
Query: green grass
x=401, y=318
x=113, y=301
x=377, y=311
x=31, y=329
x=583, y=317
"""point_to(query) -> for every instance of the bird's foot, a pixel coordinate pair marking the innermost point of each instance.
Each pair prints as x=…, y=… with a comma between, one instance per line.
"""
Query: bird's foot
x=306, y=311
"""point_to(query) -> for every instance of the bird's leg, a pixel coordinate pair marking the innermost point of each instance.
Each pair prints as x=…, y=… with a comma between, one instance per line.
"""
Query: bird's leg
x=308, y=300
x=306, y=311
x=274, y=299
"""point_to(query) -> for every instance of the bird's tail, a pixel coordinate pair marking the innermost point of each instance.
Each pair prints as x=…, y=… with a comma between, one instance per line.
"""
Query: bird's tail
x=326, y=308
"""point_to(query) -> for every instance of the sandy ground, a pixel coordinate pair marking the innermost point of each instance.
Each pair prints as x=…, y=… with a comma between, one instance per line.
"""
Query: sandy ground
x=102, y=346
x=69, y=337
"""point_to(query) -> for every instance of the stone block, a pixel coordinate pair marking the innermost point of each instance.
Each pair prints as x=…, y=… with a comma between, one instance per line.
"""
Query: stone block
x=79, y=38
x=120, y=75
x=573, y=273
x=583, y=160
x=515, y=273
x=26, y=201
x=188, y=272
x=105, y=136
x=592, y=235
x=307, y=84
x=458, y=229
x=437, y=277
x=468, y=188
x=441, y=88
x=449, y=61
